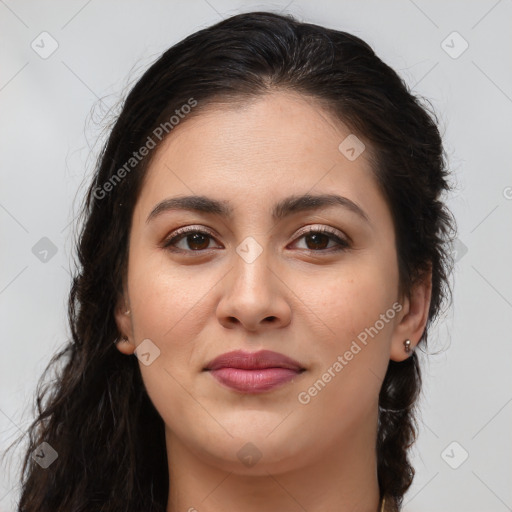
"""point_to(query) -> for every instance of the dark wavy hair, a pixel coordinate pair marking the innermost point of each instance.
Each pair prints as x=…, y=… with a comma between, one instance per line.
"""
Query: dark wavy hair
x=96, y=414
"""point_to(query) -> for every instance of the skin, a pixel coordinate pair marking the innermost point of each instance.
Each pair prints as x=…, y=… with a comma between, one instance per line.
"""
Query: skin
x=309, y=305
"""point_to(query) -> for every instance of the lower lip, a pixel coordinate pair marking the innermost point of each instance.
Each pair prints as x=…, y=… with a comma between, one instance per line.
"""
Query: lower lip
x=253, y=381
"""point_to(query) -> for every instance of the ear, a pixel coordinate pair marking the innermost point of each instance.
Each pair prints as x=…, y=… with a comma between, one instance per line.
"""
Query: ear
x=123, y=318
x=413, y=317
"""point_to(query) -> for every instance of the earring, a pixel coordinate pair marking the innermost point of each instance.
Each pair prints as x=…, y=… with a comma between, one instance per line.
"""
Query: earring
x=122, y=340
x=127, y=312
x=407, y=345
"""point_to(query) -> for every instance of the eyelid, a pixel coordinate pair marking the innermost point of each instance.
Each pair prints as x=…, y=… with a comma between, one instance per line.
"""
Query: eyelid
x=342, y=241
x=183, y=231
x=324, y=229
x=192, y=228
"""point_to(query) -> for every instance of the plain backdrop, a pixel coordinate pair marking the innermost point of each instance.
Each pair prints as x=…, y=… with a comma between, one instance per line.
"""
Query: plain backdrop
x=65, y=66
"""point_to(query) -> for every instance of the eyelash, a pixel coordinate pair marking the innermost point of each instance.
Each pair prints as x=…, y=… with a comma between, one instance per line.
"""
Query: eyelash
x=183, y=232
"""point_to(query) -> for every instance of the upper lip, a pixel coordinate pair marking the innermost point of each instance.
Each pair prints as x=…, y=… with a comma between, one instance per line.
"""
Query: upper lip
x=253, y=361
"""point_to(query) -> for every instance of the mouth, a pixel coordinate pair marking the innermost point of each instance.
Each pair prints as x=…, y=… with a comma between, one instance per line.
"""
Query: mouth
x=255, y=372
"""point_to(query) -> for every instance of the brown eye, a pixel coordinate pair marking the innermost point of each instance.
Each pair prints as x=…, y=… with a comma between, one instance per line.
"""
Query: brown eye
x=317, y=240
x=195, y=240
x=192, y=240
x=198, y=241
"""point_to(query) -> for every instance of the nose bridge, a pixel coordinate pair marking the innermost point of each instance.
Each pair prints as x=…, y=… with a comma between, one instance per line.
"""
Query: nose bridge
x=251, y=267
x=253, y=295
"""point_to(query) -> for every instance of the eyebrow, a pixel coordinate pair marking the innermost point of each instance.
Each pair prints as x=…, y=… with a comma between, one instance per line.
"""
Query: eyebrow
x=284, y=208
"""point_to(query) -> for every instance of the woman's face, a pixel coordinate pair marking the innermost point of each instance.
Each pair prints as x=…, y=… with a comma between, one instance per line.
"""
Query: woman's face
x=252, y=281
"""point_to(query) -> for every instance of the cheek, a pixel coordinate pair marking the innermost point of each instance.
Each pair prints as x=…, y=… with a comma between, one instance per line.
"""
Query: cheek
x=356, y=303
x=165, y=303
x=351, y=361
x=354, y=296
x=164, y=297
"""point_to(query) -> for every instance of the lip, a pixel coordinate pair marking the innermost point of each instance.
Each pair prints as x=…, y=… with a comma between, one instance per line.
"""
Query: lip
x=254, y=372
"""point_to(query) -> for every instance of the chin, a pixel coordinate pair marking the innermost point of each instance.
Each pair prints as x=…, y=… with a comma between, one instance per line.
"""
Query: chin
x=256, y=455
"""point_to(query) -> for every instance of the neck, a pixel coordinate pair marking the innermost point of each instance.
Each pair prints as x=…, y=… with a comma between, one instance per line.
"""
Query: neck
x=343, y=479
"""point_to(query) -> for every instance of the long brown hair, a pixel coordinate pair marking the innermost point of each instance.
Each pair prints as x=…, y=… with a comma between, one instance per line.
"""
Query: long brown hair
x=97, y=415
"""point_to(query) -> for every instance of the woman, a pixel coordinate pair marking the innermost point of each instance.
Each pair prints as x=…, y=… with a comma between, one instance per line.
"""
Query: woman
x=264, y=247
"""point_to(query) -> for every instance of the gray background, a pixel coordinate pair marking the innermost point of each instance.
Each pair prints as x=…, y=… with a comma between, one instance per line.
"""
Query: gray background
x=55, y=109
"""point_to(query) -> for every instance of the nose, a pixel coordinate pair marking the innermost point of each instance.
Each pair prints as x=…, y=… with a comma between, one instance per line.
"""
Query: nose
x=254, y=297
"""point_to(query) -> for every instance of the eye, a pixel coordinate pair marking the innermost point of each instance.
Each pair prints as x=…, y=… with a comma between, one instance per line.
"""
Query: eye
x=197, y=240
x=318, y=238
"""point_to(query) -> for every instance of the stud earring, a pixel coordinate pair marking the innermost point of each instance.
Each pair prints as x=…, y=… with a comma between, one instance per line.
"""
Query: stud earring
x=123, y=339
x=127, y=312
x=407, y=345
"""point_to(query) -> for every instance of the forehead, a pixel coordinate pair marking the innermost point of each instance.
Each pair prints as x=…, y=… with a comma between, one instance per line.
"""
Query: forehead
x=288, y=125
x=249, y=152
